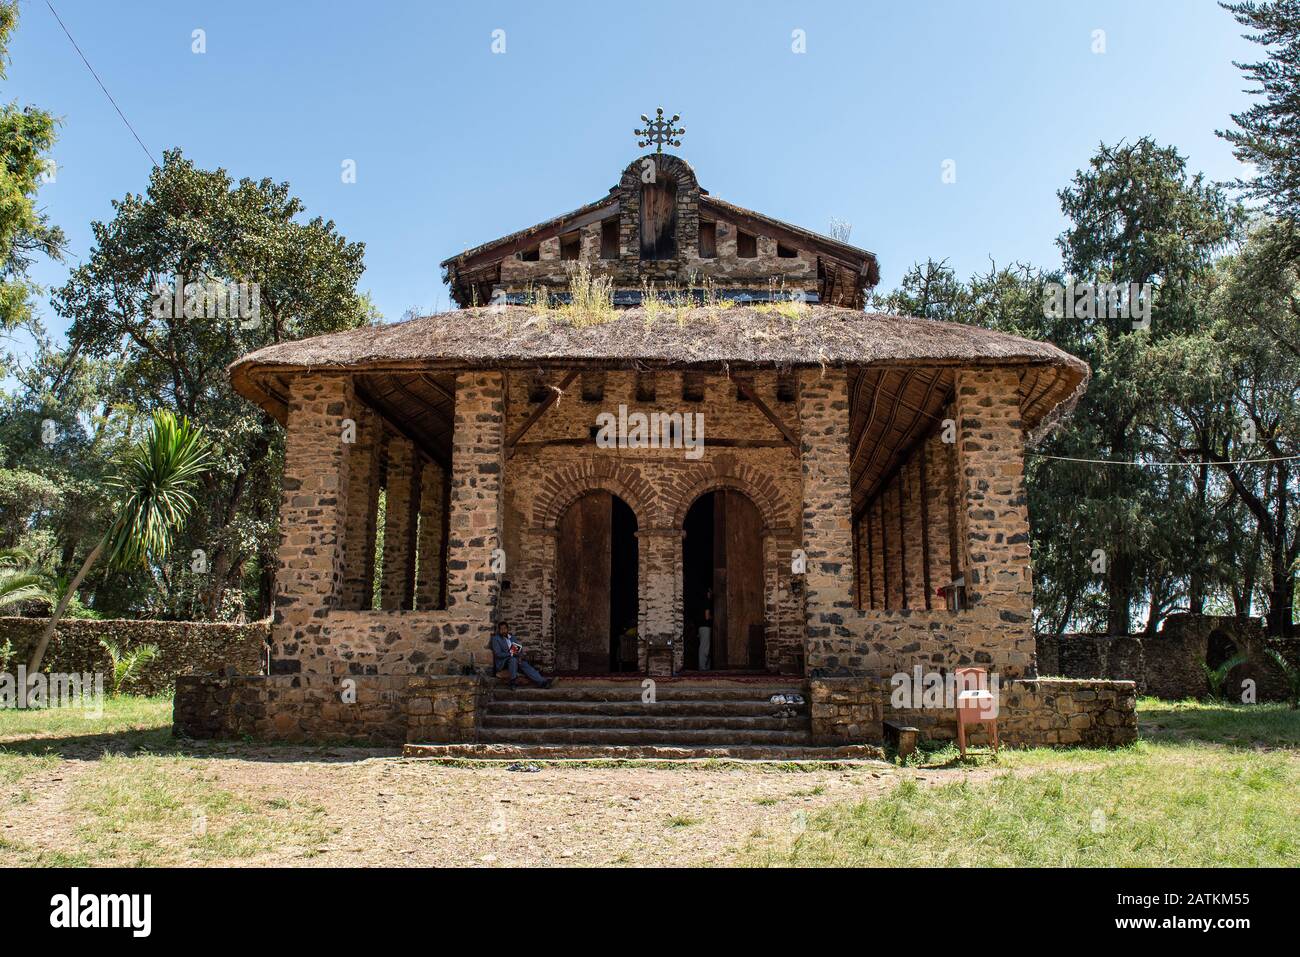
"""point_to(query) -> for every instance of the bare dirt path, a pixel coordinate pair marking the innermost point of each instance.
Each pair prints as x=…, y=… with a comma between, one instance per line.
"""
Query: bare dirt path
x=379, y=809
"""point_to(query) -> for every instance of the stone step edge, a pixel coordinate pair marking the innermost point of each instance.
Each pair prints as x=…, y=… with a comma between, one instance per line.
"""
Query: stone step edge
x=855, y=754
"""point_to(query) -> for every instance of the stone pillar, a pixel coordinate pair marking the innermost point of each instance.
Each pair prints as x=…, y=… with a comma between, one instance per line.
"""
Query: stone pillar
x=659, y=615
x=402, y=502
x=827, y=518
x=993, y=517
x=474, y=523
x=366, y=457
x=429, y=574
x=310, y=560
x=877, y=556
x=938, y=490
x=909, y=477
x=891, y=534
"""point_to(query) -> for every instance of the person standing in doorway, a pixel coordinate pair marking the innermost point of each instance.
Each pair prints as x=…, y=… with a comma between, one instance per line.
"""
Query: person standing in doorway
x=706, y=636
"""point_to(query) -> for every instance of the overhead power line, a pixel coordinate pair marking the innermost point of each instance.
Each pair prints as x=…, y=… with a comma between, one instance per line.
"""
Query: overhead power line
x=101, y=83
x=1066, y=458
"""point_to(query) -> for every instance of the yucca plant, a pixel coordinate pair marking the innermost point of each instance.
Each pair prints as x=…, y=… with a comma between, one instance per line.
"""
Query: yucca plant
x=127, y=662
x=1216, y=678
x=21, y=580
x=154, y=483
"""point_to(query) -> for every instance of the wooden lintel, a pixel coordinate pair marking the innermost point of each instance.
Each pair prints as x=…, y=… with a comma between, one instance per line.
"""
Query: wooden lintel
x=748, y=392
x=540, y=411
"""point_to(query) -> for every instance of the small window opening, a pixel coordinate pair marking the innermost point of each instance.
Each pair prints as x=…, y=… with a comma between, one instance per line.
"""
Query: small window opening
x=746, y=245
x=593, y=386
x=531, y=255
x=708, y=240
x=692, y=387
x=570, y=246
x=785, y=387
x=538, y=390
x=609, y=244
x=786, y=252
x=645, y=387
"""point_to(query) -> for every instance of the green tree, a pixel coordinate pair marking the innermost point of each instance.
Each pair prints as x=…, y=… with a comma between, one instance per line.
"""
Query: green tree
x=1267, y=135
x=1136, y=216
x=198, y=228
x=26, y=135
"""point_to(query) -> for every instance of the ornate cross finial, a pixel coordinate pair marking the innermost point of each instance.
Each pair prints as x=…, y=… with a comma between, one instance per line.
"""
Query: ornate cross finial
x=659, y=131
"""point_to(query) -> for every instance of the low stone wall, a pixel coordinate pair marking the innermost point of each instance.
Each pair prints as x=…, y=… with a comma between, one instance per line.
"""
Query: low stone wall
x=1038, y=712
x=845, y=710
x=185, y=647
x=376, y=709
x=1170, y=663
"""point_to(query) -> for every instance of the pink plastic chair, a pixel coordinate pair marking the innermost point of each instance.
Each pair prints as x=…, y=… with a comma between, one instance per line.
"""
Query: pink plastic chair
x=975, y=705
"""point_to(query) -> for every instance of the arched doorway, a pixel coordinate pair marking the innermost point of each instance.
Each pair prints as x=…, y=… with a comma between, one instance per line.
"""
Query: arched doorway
x=596, y=586
x=722, y=572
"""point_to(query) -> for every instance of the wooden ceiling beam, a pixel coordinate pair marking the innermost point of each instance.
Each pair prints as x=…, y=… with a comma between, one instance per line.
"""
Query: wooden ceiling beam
x=540, y=411
x=746, y=389
x=392, y=421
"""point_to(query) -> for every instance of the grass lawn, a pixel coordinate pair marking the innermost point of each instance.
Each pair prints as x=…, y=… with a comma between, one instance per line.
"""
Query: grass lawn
x=134, y=796
x=1206, y=785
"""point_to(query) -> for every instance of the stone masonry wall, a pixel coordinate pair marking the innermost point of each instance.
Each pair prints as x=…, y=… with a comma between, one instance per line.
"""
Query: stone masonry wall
x=1171, y=663
x=314, y=629
x=184, y=647
x=380, y=710
x=992, y=528
x=1040, y=712
x=659, y=485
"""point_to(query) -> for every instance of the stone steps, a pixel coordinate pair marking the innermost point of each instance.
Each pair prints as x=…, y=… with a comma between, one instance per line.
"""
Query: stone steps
x=646, y=722
x=594, y=713
x=682, y=708
x=639, y=736
x=631, y=692
x=855, y=754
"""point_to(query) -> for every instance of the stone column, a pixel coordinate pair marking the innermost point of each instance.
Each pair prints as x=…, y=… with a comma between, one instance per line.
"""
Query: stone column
x=474, y=524
x=659, y=615
x=993, y=518
x=909, y=477
x=366, y=457
x=429, y=574
x=402, y=502
x=938, y=488
x=827, y=516
x=310, y=560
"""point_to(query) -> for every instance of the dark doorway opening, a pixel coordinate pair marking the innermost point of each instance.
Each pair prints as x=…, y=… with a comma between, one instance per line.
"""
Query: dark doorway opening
x=722, y=570
x=1219, y=648
x=596, y=586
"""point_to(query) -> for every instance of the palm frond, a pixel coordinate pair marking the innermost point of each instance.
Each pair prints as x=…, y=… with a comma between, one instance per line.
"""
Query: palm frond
x=155, y=481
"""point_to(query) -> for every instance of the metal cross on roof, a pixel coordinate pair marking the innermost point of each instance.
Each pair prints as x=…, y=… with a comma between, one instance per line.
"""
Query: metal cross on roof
x=659, y=131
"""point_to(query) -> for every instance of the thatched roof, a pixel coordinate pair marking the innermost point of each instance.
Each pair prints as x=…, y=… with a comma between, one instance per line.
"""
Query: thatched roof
x=698, y=337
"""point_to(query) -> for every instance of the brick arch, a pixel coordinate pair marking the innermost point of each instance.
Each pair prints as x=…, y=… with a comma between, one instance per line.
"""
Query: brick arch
x=566, y=485
x=755, y=485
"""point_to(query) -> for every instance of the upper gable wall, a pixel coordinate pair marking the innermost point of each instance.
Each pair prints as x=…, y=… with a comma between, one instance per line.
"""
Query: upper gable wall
x=749, y=252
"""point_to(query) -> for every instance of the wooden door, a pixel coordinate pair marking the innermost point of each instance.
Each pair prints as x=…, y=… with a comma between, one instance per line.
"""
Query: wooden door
x=658, y=220
x=582, y=585
x=737, y=581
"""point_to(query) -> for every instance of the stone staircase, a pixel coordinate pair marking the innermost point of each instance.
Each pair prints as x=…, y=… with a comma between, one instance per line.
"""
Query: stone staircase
x=686, y=713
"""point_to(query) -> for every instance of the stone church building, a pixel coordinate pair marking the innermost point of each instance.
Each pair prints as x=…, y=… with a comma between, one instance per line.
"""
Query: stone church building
x=658, y=409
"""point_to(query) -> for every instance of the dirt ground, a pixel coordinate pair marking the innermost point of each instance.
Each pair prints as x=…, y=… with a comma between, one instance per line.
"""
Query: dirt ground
x=381, y=809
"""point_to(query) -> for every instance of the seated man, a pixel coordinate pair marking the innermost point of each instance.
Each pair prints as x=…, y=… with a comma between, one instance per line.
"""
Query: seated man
x=509, y=654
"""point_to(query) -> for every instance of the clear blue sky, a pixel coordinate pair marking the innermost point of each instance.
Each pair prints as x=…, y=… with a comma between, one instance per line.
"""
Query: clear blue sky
x=456, y=145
